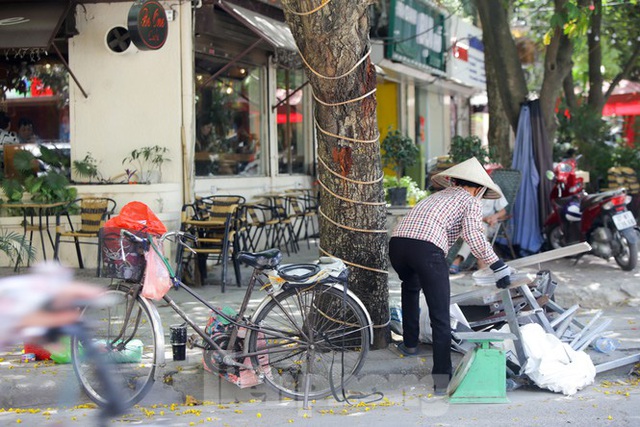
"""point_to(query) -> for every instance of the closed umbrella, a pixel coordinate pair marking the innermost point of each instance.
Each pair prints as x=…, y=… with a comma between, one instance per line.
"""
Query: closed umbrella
x=543, y=156
x=526, y=221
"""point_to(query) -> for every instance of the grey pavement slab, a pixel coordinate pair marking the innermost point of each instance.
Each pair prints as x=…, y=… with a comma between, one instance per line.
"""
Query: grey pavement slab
x=405, y=382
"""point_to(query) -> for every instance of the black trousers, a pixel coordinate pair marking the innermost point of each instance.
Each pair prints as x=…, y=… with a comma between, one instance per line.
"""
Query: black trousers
x=423, y=265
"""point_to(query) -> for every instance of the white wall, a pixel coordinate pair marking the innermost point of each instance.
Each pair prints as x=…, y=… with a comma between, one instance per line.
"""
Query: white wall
x=438, y=125
x=135, y=98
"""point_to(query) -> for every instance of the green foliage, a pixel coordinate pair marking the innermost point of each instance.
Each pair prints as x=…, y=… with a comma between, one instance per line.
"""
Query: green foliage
x=414, y=193
x=24, y=162
x=148, y=159
x=588, y=132
x=87, y=168
x=13, y=189
x=623, y=155
x=15, y=246
x=48, y=186
x=465, y=147
x=399, y=152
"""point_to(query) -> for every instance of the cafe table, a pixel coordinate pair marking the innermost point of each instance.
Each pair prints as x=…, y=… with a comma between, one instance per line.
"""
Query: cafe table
x=35, y=218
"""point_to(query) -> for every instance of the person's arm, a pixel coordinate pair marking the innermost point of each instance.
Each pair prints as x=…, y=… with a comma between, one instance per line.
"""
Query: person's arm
x=494, y=218
x=473, y=234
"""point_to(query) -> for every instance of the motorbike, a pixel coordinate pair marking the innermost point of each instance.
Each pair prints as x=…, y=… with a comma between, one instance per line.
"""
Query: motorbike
x=601, y=219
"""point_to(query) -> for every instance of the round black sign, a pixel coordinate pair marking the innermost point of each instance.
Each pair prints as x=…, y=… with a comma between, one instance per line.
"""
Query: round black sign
x=147, y=24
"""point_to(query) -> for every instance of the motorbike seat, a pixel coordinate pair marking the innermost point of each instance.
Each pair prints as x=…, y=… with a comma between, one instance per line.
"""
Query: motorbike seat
x=598, y=197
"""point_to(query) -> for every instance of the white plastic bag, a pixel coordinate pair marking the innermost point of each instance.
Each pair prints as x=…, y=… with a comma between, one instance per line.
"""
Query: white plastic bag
x=157, y=281
x=554, y=365
x=456, y=316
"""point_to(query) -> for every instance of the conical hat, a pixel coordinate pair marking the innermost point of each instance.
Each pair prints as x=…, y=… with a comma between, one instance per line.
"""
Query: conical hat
x=469, y=170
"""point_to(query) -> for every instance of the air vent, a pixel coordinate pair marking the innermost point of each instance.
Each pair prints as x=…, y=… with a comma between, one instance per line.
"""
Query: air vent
x=118, y=39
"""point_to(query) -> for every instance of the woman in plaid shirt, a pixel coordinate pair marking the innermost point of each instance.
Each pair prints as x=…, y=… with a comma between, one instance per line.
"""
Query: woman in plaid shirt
x=418, y=249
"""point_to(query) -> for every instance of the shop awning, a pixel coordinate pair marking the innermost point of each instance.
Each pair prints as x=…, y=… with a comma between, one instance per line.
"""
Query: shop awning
x=30, y=24
x=275, y=32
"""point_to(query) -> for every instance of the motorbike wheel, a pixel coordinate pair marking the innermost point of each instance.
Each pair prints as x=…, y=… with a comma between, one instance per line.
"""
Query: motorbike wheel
x=627, y=258
x=554, y=237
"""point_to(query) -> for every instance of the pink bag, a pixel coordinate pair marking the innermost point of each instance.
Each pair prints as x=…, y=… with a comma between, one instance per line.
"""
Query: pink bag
x=157, y=281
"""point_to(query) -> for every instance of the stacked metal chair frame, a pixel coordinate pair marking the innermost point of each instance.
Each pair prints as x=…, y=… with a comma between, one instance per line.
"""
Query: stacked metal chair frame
x=214, y=220
x=93, y=211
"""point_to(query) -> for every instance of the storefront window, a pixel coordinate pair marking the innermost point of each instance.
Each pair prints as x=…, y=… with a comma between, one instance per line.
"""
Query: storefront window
x=228, y=123
x=292, y=150
x=34, y=108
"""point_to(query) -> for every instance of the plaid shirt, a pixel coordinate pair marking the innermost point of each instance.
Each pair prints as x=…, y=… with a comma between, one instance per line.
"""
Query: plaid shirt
x=443, y=217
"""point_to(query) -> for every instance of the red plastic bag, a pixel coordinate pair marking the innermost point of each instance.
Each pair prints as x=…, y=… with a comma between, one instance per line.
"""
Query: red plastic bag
x=157, y=281
x=138, y=217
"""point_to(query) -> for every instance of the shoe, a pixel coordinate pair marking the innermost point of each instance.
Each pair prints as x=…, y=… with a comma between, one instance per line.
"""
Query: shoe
x=440, y=391
x=407, y=351
x=454, y=269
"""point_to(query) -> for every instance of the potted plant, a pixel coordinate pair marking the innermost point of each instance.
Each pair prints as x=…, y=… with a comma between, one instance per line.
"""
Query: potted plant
x=149, y=160
x=465, y=147
x=87, y=168
x=398, y=153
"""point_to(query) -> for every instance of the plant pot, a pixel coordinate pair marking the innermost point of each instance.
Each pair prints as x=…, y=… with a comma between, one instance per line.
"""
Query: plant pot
x=398, y=196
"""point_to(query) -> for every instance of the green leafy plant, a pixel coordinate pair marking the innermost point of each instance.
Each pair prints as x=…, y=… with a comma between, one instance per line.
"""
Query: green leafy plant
x=87, y=168
x=44, y=177
x=414, y=193
x=465, y=147
x=589, y=134
x=399, y=152
x=148, y=159
x=16, y=246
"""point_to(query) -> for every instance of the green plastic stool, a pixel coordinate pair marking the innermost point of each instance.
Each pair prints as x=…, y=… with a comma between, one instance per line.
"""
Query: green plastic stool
x=481, y=376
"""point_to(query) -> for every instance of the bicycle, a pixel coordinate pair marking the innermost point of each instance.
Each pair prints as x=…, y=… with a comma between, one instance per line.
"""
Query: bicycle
x=308, y=336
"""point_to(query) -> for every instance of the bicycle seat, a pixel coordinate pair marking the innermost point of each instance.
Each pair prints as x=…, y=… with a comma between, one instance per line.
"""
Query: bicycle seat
x=266, y=259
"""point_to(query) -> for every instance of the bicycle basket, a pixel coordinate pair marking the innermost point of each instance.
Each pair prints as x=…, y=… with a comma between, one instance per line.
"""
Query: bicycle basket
x=121, y=258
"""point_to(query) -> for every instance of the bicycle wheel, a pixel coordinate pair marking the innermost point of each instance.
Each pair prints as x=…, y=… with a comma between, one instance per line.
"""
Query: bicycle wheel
x=129, y=345
x=321, y=335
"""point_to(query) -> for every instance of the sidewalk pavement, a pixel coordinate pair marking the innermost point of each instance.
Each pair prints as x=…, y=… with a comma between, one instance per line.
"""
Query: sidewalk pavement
x=405, y=381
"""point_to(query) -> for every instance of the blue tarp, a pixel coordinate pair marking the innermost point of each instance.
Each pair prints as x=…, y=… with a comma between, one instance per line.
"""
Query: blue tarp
x=527, y=234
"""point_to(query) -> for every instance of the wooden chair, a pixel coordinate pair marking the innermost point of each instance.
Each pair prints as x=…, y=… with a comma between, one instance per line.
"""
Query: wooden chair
x=285, y=234
x=255, y=227
x=303, y=212
x=94, y=211
x=214, y=221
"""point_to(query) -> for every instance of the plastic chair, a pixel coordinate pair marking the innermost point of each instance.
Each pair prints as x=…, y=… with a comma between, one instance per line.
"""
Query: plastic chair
x=93, y=212
x=509, y=182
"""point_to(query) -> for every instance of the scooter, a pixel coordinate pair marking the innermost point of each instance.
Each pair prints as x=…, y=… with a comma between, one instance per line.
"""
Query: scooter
x=600, y=219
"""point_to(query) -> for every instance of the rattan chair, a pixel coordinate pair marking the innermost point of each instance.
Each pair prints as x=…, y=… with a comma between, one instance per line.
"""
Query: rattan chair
x=214, y=221
x=93, y=211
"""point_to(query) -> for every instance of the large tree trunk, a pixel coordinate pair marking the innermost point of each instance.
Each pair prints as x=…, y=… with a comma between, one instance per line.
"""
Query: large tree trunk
x=499, y=133
x=557, y=64
x=512, y=84
x=596, y=97
x=496, y=36
x=332, y=40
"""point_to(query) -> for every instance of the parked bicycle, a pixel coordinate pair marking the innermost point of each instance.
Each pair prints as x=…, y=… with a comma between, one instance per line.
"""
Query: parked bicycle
x=308, y=337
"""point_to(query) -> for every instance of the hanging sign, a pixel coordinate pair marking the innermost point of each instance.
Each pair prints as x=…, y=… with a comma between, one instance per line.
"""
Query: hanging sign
x=418, y=35
x=147, y=24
